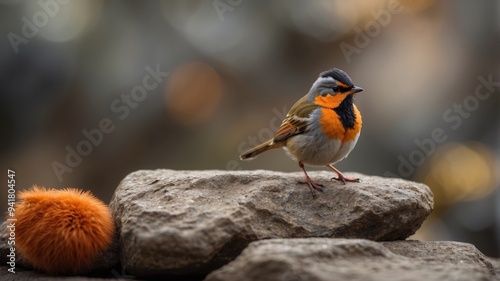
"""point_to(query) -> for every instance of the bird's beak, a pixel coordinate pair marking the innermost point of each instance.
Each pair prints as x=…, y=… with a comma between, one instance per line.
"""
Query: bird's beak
x=354, y=90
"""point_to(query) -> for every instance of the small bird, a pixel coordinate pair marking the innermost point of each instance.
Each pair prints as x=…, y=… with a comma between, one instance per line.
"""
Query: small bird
x=321, y=128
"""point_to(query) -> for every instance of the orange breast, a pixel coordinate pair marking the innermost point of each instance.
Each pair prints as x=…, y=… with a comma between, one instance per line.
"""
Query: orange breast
x=333, y=128
x=330, y=101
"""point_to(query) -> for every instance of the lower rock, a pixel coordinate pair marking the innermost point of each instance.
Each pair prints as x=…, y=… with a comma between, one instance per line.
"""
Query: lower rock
x=319, y=259
x=441, y=252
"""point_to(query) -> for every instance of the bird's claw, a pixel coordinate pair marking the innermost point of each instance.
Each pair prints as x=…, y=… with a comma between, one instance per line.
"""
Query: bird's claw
x=313, y=186
x=344, y=179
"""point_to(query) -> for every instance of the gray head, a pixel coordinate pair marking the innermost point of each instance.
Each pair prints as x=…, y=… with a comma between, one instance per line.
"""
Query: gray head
x=333, y=82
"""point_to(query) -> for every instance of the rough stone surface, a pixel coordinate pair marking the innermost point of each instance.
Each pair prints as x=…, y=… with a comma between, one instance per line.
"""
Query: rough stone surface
x=319, y=259
x=440, y=251
x=192, y=222
x=496, y=265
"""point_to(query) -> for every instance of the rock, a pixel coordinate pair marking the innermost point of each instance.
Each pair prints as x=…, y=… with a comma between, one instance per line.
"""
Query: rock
x=496, y=265
x=192, y=222
x=440, y=251
x=356, y=259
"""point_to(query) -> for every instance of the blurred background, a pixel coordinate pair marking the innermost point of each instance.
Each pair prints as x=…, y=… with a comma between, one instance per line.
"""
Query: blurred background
x=93, y=90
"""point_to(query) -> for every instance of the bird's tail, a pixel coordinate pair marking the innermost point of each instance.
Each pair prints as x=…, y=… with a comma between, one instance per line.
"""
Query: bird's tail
x=258, y=150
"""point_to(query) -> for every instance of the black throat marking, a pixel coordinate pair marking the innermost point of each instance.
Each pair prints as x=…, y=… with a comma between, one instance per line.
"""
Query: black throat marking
x=345, y=111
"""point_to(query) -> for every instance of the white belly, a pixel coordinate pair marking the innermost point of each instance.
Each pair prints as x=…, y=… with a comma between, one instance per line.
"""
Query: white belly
x=317, y=149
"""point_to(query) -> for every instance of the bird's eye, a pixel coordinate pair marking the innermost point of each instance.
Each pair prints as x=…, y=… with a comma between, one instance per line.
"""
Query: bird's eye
x=336, y=89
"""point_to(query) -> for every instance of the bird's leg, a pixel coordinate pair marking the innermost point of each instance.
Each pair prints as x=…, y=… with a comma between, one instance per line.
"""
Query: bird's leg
x=312, y=185
x=341, y=176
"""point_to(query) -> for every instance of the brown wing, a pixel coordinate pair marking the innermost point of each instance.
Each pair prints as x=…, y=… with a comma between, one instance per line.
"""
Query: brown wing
x=296, y=120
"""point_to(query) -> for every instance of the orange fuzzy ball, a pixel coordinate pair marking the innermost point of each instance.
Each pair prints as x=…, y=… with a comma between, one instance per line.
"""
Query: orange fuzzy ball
x=62, y=231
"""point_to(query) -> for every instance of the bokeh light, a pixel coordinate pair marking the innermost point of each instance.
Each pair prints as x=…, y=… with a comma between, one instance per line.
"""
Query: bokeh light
x=193, y=93
x=460, y=171
x=417, y=6
x=63, y=21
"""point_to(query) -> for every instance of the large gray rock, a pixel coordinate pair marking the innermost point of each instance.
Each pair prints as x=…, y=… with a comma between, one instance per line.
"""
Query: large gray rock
x=192, y=222
x=323, y=259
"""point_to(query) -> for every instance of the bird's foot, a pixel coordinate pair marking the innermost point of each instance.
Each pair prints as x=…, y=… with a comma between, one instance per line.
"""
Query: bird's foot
x=313, y=185
x=343, y=179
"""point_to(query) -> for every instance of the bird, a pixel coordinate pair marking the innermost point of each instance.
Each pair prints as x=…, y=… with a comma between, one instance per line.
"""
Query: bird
x=321, y=128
